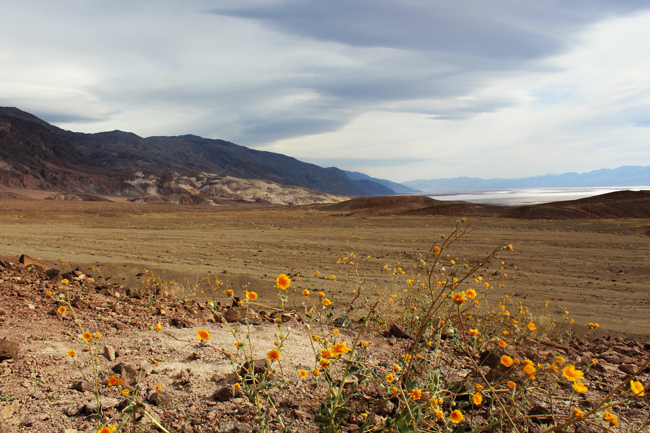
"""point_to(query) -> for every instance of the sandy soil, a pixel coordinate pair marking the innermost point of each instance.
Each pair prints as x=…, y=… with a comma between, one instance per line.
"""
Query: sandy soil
x=598, y=270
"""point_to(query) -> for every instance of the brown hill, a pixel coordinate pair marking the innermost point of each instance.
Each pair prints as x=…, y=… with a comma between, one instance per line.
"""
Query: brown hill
x=615, y=205
x=32, y=157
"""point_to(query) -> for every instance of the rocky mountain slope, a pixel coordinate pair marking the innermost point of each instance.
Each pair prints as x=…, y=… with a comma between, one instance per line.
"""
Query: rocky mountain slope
x=32, y=156
x=118, y=150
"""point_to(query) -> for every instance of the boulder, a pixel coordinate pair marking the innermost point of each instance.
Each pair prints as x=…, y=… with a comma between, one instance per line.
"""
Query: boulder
x=9, y=349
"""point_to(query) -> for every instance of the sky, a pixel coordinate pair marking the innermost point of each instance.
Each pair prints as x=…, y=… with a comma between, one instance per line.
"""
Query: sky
x=399, y=90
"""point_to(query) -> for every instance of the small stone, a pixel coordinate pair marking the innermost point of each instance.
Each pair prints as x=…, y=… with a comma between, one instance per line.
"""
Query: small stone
x=259, y=366
x=300, y=414
x=38, y=395
x=185, y=376
x=83, y=386
x=34, y=419
x=53, y=275
x=161, y=398
x=397, y=332
x=8, y=410
x=8, y=349
x=627, y=368
x=226, y=393
x=128, y=372
x=109, y=352
x=121, y=326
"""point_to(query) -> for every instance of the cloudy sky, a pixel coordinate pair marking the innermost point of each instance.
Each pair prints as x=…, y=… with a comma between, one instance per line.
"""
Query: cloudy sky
x=400, y=89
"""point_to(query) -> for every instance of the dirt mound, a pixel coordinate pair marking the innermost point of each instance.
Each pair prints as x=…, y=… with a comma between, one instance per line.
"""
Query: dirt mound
x=392, y=205
x=615, y=205
x=77, y=197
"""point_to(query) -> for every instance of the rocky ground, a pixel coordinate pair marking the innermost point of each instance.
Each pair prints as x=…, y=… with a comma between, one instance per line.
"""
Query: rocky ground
x=42, y=391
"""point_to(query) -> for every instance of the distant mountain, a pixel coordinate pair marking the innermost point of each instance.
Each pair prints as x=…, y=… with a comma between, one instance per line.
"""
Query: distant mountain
x=118, y=150
x=397, y=187
x=622, y=176
x=32, y=156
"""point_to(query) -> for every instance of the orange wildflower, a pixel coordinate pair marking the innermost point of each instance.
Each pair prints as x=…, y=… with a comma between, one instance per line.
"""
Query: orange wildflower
x=579, y=387
x=340, y=349
x=416, y=394
x=87, y=336
x=61, y=309
x=456, y=416
x=506, y=361
x=608, y=416
x=637, y=388
x=203, y=335
x=282, y=282
x=273, y=355
x=572, y=374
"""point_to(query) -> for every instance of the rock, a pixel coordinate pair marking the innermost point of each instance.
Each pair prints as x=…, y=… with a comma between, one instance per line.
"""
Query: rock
x=624, y=350
x=10, y=409
x=160, y=398
x=299, y=414
x=55, y=312
x=38, y=395
x=386, y=409
x=109, y=352
x=259, y=366
x=28, y=261
x=106, y=402
x=53, y=275
x=9, y=349
x=79, y=304
x=614, y=357
x=83, y=386
x=183, y=322
x=539, y=414
x=128, y=372
x=235, y=314
x=34, y=419
x=234, y=427
x=398, y=332
x=628, y=368
x=185, y=376
x=226, y=393
x=121, y=326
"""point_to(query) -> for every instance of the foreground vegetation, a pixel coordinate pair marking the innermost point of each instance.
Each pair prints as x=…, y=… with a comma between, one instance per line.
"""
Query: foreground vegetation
x=436, y=307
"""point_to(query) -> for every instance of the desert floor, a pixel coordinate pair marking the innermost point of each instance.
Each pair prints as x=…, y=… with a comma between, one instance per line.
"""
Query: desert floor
x=598, y=270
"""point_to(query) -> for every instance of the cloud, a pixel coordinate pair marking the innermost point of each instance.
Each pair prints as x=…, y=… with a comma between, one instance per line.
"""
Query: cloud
x=392, y=88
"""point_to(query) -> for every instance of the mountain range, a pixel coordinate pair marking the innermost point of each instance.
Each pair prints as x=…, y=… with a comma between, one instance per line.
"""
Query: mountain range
x=622, y=176
x=190, y=169
x=36, y=154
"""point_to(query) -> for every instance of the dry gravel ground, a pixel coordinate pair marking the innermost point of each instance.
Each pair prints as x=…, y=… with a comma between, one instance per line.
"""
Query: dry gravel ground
x=597, y=269
x=42, y=391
